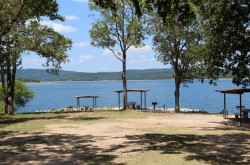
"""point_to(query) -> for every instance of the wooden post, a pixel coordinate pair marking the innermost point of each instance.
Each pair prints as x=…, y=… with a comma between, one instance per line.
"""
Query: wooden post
x=145, y=100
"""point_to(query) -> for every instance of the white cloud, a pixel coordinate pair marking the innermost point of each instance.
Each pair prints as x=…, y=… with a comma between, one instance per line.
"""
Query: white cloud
x=59, y=27
x=81, y=1
x=32, y=63
x=142, y=59
x=108, y=53
x=82, y=44
x=132, y=51
x=85, y=58
x=71, y=17
x=139, y=51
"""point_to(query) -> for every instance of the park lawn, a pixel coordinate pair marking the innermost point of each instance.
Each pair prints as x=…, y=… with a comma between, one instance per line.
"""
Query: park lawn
x=122, y=137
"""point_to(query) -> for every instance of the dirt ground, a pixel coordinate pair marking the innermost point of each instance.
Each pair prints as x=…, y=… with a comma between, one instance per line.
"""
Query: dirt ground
x=209, y=137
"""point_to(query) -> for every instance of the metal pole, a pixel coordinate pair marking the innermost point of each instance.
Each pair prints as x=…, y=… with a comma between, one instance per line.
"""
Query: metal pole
x=141, y=100
x=93, y=103
x=240, y=111
x=119, y=101
x=145, y=100
x=225, y=109
x=78, y=103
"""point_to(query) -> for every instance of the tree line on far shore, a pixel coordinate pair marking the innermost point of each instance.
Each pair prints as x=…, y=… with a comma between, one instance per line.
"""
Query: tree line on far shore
x=37, y=75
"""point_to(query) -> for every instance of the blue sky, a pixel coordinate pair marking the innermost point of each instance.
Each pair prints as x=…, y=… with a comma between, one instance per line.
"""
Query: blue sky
x=86, y=58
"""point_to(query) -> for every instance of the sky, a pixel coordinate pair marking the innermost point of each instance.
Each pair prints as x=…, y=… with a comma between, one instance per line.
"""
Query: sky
x=82, y=56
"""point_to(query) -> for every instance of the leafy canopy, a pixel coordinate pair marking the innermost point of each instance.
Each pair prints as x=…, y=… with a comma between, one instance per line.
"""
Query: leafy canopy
x=117, y=30
x=227, y=25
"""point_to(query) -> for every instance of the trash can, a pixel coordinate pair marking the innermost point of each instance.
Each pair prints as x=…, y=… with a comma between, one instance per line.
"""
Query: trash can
x=131, y=105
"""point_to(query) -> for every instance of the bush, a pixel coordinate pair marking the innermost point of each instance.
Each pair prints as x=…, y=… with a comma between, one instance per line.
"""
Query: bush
x=22, y=96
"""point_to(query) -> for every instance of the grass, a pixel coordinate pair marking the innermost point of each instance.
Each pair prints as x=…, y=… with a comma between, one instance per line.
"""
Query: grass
x=21, y=123
x=173, y=144
x=155, y=157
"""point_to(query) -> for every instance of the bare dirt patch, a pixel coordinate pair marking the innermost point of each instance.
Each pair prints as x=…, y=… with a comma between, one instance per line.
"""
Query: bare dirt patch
x=112, y=142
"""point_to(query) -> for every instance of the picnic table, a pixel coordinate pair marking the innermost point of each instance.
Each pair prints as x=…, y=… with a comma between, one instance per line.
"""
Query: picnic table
x=86, y=96
x=244, y=111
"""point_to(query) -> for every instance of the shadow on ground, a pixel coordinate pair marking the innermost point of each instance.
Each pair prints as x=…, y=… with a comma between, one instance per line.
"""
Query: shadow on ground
x=53, y=149
x=212, y=149
x=40, y=148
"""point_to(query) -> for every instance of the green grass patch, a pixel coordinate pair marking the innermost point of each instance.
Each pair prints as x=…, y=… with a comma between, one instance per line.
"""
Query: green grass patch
x=37, y=121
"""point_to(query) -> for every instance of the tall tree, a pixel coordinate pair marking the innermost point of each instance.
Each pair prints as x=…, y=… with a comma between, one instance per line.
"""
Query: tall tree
x=22, y=32
x=177, y=41
x=227, y=26
x=118, y=30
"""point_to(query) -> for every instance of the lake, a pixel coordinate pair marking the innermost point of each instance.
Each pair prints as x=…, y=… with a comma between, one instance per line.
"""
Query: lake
x=199, y=96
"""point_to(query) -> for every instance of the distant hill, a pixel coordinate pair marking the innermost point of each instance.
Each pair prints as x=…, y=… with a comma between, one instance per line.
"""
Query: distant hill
x=43, y=75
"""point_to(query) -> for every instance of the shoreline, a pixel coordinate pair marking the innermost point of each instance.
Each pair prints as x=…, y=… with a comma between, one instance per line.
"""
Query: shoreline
x=55, y=82
x=151, y=109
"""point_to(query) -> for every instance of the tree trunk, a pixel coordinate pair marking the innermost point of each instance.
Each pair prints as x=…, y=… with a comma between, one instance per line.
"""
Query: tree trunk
x=124, y=81
x=10, y=91
x=12, y=84
x=10, y=108
x=177, y=78
x=4, y=97
x=177, y=95
x=10, y=79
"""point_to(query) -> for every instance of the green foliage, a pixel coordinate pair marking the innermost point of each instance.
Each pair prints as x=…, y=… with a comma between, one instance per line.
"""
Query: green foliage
x=177, y=40
x=22, y=95
x=29, y=80
x=2, y=107
x=226, y=23
x=48, y=44
x=21, y=32
x=14, y=12
x=228, y=38
x=117, y=30
x=110, y=4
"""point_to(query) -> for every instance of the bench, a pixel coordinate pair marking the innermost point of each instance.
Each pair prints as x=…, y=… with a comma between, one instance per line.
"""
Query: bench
x=244, y=111
x=70, y=108
x=237, y=115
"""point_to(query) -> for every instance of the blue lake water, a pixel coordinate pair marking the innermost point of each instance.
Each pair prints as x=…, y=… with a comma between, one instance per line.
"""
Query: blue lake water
x=195, y=96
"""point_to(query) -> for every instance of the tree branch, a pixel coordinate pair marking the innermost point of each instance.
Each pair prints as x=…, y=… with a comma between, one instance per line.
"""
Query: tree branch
x=12, y=23
x=113, y=51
